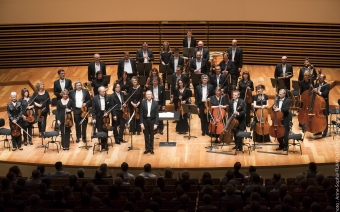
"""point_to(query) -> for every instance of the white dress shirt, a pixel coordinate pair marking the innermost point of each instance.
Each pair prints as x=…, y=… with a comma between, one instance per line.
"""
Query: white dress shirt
x=145, y=54
x=155, y=93
x=204, y=92
x=281, y=102
x=79, y=98
x=175, y=62
x=62, y=84
x=283, y=69
x=97, y=67
x=120, y=99
x=198, y=65
x=149, y=103
x=189, y=42
x=319, y=88
x=235, y=105
x=128, y=67
x=102, y=103
x=233, y=52
x=218, y=79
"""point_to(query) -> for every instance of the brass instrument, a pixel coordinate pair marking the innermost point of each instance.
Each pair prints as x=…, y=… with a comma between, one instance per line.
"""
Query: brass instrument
x=88, y=87
x=286, y=74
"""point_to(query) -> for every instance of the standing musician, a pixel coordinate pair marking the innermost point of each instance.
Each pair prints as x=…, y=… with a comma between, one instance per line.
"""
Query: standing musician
x=148, y=120
x=219, y=80
x=61, y=84
x=134, y=105
x=42, y=106
x=189, y=41
x=144, y=55
x=218, y=102
x=228, y=68
x=246, y=84
x=181, y=96
x=26, y=105
x=283, y=106
x=202, y=93
x=204, y=51
x=284, y=70
x=158, y=92
x=322, y=88
x=127, y=65
x=94, y=67
x=240, y=113
x=14, y=112
x=81, y=98
x=100, y=104
x=307, y=67
x=177, y=76
x=98, y=82
x=260, y=101
x=154, y=74
x=125, y=83
x=306, y=84
x=176, y=60
x=165, y=54
x=198, y=66
x=117, y=98
x=236, y=56
x=64, y=108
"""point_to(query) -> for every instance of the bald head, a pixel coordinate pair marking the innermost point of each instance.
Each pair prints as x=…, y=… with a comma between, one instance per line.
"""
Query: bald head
x=148, y=95
x=101, y=90
x=234, y=43
x=96, y=58
x=200, y=44
x=284, y=59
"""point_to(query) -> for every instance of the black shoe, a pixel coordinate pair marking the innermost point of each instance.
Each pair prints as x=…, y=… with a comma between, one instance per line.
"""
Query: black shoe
x=122, y=141
x=151, y=151
x=84, y=140
x=239, y=149
x=324, y=135
x=161, y=132
x=248, y=125
x=319, y=133
x=64, y=148
x=285, y=149
x=279, y=148
x=203, y=133
x=138, y=133
x=77, y=141
x=134, y=133
x=25, y=143
x=30, y=142
x=235, y=147
x=174, y=122
x=117, y=142
x=146, y=152
x=40, y=135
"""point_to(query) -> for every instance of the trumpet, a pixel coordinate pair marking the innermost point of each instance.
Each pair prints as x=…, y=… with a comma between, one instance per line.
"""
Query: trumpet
x=286, y=74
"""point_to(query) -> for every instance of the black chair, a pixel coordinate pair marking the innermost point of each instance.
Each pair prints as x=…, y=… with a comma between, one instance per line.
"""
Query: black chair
x=54, y=112
x=99, y=136
x=245, y=135
x=5, y=132
x=53, y=135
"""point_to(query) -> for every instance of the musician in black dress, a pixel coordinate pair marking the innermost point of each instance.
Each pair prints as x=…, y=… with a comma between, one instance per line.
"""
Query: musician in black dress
x=64, y=108
x=244, y=85
x=26, y=105
x=81, y=98
x=117, y=100
x=218, y=102
x=154, y=74
x=136, y=93
x=228, y=67
x=42, y=106
x=260, y=101
x=98, y=82
x=14, y=112
x=182, y=96
x=125, y=83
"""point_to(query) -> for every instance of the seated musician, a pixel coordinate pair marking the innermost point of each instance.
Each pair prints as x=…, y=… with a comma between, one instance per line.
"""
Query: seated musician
x=61, y=84
x=98, y=82
x=117, y=98
x=127, y=65
x=154, y=74
x=81, y=98
x=202, y=93
x=246, y=84
x=125, y=83
x=322, y=88
x=198, y=66
x=181, y=96
x=64, y=108
x=94, y=67
x=260, y=101
x=283, y=104
x=158, y=92
x=144, y=55
x=14, y=112
x=307, y=67
x=305, y=85
x=176, y=60
x=204, y=51
x=228, y=68
x=284, y=70
x=26, y=103
x=238, y=107
x=217, y=102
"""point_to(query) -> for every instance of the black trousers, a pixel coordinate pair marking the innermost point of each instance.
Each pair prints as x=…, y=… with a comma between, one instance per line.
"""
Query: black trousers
x=99, y=126
x=65, y=135
x=120, y=122
x=283, y=141
x=42, y=124
x=16, y=141
x=238, y=140
x=135, y=123
x=28, y=128
x=160, y=122
x=149, y=133
x=80, y=129
x=203, y=117
x=325, y=112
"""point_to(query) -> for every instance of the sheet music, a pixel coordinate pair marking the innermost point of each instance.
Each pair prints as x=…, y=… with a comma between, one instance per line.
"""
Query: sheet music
x=166, y=115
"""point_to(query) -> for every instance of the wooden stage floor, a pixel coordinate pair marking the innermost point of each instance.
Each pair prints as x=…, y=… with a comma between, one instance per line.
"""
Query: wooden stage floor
x=187, y=153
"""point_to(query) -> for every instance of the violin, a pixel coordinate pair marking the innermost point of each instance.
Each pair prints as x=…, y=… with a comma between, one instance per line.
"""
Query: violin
x=15, y=130
x=106, y=122
x=248, y=98
x=30, y=115
x=68, y=119
x=40, y=117
x=137, y=113
x=277, y=130
x=84, y=111
x=207, y=105
x=126, y=112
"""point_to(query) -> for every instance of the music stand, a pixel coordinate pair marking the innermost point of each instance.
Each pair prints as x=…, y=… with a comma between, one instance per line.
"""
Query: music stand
x=142, y=80
x=175, y=117
x=107, y=78
x=196, y=78
x=127, y=124
x=296, y=85
x=169, y=81
x=144, y=69
x=278, y=84
x=189, y=52
x=189, y=109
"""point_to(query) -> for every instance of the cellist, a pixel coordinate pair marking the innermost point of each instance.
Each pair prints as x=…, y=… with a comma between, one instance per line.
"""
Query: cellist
x=283, y=104
x=14, y=112
x=218, y=102
x=260, y=101
x=322, y=88
x=305, y=85
x=244, y=85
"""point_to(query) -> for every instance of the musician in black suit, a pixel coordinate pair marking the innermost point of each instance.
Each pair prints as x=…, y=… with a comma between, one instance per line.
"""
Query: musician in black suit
x=307, y=67
x=117, y=100
x=246, y=84
x=144, y=55
x=179, y=75
x=127, y=65
x=198, y=66
x=219, y=80
x=100, y=104
x=81, y=98
x=149, y=120
x=228, y=68
x=236, y=56
x=158, y=92
x=94, y=67
x=238, y=107
x=176, y=60
x=322, y=88
x=189, y=41
x=204, y=51
x=202, y=93
x=283, y=104
x=284, y=70
x=61, y=84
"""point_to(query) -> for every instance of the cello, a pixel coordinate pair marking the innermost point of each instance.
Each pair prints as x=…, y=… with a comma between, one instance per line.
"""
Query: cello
x=216, y=125
x=228, y=132
x=276, y=130
x=262, y=126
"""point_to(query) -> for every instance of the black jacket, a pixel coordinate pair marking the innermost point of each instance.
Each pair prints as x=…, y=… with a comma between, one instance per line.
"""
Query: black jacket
x=285, y=110
x=114, y=100
x=91, y=70
x=241, y=117
x=325, y=93
x=57, y=88
x=144, y=111
x=184, y=78
x=198, y=93
x=121, y=67
x=279, y=72
x=161, y=94
x=86, y=97
x=205, y=54
x=172, y=63
x=14, y=112
x=230, y=67
x=238, y=58
x=204, y=66
x=140, y=58
x=222, y=80
x=192, y=42
x=96, y=107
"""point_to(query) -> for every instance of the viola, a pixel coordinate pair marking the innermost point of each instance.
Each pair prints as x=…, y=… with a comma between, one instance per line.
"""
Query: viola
x=15, y=130
x=137, y=113
x=106, y=122
x=30, y=115
x=40, y=117
x=276, y=130
x=126, y=112
x=84, y=111
x=207, y=106
x=68, y=120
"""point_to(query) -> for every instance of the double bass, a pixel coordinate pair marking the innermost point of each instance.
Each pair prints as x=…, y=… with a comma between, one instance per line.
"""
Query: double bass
x=228, y=132
x=276, y=130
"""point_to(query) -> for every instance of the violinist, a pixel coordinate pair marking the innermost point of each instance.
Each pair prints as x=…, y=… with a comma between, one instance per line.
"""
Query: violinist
x=134, y=105
x=125, y=83
x=98, y=82
x=283, y=104
x=154, y=74
x=81, y=98
x=322, y=88
x=228, y=67
x=64, y=108
x=42, y=106
x=238, y=107
x=260, y=101
x=61, y=84
x=182, y=96
x=217, y=102
x=158, y=92
x=284, y=70
x=26, y=106
x=307, y=67
x=202, y=93
x=100, y=104
x=14, y=111
x=245, y=85
x=117, y=98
